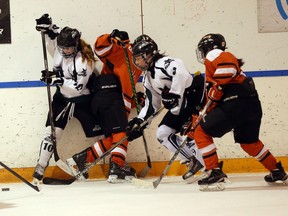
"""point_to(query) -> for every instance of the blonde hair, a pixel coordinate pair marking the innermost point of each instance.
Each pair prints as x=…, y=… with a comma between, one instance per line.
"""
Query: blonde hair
x=87, y=53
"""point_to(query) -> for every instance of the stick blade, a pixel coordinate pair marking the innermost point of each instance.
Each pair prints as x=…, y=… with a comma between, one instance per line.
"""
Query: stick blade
x=55, y=181
x=141, y=183
x=156, y=183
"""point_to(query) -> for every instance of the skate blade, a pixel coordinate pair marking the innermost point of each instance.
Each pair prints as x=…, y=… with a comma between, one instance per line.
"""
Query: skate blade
x=278, y=183
x=113, y=179
x=212, y=187
x=72, y=166
x=218, y=186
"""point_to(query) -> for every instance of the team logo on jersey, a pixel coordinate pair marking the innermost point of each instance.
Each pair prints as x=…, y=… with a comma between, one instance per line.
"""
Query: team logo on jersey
x=79, y=87
x=174, y=70
x=167, y=63
x=83, y=73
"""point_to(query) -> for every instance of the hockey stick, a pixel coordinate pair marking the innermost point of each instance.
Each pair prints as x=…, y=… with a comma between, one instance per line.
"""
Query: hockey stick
x=139, y=182
x=55, y=181
x=53, y=134
x=59, y=162
x=149, y=164
x=35, y=187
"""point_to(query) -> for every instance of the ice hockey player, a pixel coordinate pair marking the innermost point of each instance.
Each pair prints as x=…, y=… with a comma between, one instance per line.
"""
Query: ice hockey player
x=73, y=65
x=236, y=108
x=166, y=81
x=112, y=105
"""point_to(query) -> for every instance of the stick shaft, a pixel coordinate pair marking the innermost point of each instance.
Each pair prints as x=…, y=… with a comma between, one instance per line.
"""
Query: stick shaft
x=115, y=146
x=54, y=181
x=196, y=123
x=149, y=164
x=19, y=177
x=51, y=119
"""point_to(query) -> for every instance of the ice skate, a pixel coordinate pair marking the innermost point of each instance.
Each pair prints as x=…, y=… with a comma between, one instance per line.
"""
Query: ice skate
x=193, y=166
x=77, y=164
x=214, y=180
x=39, y=172
x=36, y=183
x=119, y=174
x=277, y=176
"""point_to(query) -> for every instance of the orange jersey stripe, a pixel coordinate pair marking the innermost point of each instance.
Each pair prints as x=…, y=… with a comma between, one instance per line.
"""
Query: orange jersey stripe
x=223, y=68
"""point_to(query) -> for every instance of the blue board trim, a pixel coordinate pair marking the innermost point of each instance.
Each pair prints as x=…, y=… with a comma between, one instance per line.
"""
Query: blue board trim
x=31, y=84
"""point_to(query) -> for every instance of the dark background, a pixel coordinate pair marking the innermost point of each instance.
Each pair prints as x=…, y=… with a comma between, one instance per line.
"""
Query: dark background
x=5, y=27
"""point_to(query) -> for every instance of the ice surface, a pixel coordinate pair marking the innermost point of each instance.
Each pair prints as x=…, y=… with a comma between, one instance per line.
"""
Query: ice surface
x=247, y=194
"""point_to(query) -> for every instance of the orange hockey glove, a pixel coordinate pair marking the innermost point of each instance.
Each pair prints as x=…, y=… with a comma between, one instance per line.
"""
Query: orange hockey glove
x=215, y=93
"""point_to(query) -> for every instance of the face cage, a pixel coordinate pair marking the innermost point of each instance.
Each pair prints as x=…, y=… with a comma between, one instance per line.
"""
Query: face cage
x=200, y=55
x=147, y=62
x=62, y=53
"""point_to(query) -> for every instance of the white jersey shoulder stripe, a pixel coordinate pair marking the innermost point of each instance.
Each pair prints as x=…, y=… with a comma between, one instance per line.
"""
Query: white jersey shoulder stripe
x=102, y=51
x=226, y=71
x=213, y=54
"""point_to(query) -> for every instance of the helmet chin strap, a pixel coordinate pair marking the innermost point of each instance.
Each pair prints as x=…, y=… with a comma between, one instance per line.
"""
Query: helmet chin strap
x=148, y=61
x=65, y=55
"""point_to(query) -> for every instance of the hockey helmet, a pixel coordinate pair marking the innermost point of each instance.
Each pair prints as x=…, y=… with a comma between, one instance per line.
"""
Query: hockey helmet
x=144, y=48
x=68, y=42
x=208, y=43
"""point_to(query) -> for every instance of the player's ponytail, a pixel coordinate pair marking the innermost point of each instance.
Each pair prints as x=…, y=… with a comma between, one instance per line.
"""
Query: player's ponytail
x=87, y=53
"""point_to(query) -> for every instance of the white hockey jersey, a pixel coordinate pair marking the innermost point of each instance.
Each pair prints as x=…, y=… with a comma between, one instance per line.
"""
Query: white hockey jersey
x=76, y=73
x=168, y=73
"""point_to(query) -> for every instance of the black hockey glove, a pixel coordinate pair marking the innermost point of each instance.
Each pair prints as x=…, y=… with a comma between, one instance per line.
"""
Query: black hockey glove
x=169, y=100
x=57, y=81
x=133, y=130
x=52, y=77
x=121, y=36
x=47, y=78
x=44, y=24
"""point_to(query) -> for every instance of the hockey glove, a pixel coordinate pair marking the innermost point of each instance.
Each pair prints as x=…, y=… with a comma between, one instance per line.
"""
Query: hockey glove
x=169, y=100
x=47, y=78
x=43, y=23
x=133, y=130
x=52, y=78
x=215, y=93
x=121, y=36
x=57, y=81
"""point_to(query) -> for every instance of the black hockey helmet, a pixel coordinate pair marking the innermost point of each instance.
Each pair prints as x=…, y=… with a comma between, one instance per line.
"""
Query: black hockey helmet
x=208, y=43
x=145, y=47
x=68, y=38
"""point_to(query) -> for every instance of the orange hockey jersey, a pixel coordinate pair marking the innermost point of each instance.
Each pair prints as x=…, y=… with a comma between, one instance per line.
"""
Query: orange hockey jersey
x=222, y=68
x=113, y=57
